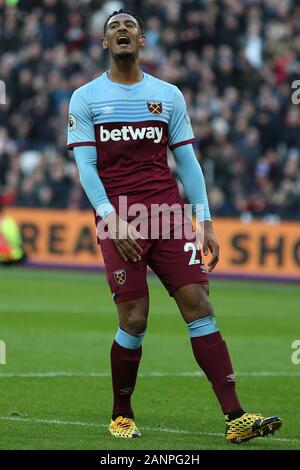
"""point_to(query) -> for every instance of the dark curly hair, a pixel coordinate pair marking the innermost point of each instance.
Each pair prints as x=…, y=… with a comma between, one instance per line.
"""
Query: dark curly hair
x=126, y=12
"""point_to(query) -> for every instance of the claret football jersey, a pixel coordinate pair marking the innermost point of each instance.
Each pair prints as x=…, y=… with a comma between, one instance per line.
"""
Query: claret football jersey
x=131, y=127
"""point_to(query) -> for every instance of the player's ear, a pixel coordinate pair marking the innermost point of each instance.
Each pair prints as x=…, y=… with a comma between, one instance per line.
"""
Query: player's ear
x=142, y=40
x=104, y=43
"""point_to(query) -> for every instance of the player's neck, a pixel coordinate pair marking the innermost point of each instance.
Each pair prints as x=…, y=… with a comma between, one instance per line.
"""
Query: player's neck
x=125, y=73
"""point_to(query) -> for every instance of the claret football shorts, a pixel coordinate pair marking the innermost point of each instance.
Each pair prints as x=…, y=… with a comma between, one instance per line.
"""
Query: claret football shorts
x=176, y=261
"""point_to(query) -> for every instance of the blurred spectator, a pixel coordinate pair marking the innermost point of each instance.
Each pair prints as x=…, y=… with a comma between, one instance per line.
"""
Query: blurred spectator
x=234, y=60
x=11, y=245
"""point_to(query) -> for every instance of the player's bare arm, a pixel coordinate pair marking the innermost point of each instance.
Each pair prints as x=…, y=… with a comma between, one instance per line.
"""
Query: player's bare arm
x=211, y=245
x=190, y=173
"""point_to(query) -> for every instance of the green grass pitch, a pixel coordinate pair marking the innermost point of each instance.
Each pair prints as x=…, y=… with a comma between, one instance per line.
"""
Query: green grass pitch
x=56, y=389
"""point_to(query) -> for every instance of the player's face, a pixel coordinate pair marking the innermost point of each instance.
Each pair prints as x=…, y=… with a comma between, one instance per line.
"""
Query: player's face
x=123, y=37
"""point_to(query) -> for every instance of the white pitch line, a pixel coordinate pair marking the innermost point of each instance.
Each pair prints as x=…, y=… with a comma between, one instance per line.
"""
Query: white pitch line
x=54, y=374
x=100, y=425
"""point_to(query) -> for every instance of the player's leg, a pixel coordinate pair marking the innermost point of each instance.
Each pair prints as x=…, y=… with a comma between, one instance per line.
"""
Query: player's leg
x=211, y=353
x=208, y=346
x=188, y=283
x=178, y=264
x=126, y=353
x=127, y=281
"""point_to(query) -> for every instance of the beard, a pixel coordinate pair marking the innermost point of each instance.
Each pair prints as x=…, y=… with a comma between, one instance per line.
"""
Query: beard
x=124, y=55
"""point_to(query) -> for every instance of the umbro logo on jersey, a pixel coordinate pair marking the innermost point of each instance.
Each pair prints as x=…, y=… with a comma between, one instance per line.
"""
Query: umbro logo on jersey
x=129, y=133
x=107, y=110
x=155, y=107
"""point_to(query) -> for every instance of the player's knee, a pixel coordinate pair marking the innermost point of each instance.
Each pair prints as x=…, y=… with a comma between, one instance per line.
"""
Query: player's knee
x=135, y=324
x=205, y=288
x=197, y=304
x=133, y=316
x=204, y=306
x=202, y=309
x=134, y=320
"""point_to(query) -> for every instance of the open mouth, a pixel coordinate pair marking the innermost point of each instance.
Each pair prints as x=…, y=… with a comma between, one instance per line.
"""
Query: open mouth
x=123, y=40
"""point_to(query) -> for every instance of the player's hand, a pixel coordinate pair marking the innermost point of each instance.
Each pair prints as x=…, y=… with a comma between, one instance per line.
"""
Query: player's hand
x=211, y=245
x=124, y=237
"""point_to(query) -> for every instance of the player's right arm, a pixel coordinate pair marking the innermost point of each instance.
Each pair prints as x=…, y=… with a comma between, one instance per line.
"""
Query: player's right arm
x=81, y=138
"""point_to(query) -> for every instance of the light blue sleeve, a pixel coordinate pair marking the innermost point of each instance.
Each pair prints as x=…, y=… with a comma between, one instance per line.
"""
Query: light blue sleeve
x=190, y=173
x=86, y=160
x=180, y=128
x=81, y=126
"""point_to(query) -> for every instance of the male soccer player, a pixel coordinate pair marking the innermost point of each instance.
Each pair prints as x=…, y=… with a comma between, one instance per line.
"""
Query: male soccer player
x=120, y=126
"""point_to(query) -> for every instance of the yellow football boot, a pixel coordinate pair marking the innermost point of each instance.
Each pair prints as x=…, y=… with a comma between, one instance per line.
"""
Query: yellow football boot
x=124, y=427
x=249, y=426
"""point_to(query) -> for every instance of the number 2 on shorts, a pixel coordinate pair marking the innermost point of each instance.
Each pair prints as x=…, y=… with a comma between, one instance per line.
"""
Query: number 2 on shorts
x=191, y=246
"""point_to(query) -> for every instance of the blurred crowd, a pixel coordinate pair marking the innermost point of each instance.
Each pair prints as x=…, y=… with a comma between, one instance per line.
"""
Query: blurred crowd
x=234, y=60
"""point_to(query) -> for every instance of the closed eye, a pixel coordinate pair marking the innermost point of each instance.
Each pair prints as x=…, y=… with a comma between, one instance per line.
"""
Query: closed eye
x=129, y=24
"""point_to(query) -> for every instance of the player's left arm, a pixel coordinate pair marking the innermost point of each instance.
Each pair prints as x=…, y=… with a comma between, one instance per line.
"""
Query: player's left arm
x=191, y=176
x=181, y=137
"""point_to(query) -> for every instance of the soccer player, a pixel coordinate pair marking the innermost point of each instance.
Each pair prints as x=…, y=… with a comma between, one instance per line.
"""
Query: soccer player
x=120, y=126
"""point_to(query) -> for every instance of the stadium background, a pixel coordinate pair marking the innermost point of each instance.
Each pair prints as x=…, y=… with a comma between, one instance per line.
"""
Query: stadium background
x=235, y=61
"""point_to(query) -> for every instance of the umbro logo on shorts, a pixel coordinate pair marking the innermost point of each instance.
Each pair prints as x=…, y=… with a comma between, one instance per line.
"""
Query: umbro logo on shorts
x=120, y=276
x=130, y=133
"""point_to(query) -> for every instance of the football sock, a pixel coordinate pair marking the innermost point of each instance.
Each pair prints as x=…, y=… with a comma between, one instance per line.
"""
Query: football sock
x=127, y=340
x=126, y=354
x=235, y=415
x=212, y=355
x=203, y=326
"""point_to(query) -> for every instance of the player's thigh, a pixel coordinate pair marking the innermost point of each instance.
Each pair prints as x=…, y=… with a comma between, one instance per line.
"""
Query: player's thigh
x=126, y=279
x=178, y=264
